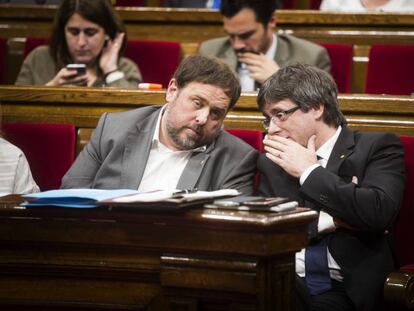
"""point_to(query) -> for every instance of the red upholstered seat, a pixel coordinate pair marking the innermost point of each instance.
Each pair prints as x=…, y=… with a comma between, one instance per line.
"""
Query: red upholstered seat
x=157, y=60
x=130, y=3
x=404, y=234
x=49, y=149
x=341, y=64
x=390, y=70
x=398, y=287
x=291, y=4
x=253, y=137
x=3, y=53
x=32, y=43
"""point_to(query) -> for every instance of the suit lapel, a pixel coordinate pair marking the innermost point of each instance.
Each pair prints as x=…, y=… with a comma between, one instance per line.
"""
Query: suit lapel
x=282, y=52
x=343, y=148
x=137, y=149
x=229, y=56
x=193, y=170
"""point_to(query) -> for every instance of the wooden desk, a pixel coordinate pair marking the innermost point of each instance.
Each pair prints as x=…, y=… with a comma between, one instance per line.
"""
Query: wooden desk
x=83, y=107
x=192, y=26
x=91, y=259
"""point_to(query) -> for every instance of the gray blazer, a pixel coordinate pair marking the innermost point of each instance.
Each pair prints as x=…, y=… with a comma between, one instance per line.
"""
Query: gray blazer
x=117, y=154
x=290, y=50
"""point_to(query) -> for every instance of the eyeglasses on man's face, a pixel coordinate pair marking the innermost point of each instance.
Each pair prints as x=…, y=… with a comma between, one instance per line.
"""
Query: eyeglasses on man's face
x=279, y=116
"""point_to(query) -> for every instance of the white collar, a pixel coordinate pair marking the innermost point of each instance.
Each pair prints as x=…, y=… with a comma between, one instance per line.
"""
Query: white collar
x=270, y=54
x=325, y=150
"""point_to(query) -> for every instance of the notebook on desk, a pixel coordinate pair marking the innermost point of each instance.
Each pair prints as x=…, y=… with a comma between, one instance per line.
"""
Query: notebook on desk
x=164, y=199
x=124, y=198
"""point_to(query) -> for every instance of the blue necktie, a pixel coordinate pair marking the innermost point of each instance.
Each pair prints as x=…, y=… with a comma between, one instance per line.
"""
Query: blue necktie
x=316, y=268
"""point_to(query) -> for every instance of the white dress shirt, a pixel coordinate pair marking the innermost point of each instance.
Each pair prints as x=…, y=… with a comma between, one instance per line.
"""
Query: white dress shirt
x=164, y=166
x=247, y=83
x=15, y=175
x=325, y=221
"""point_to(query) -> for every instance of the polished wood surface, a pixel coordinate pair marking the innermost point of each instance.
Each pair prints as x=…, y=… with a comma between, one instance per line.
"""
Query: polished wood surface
x=192, y=26
x=83, y=107
x=194, y=259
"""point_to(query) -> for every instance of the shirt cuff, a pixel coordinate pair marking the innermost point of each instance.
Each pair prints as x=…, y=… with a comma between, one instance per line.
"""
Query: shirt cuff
x=307, y=172
x=114, y=76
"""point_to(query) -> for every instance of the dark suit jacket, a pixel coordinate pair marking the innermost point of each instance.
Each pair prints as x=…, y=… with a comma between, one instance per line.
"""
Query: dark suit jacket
x=289, y=50
x=364, y=255
x=117, y=154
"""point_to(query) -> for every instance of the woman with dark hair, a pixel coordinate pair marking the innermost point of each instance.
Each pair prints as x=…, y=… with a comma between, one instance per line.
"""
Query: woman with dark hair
x=85, y=32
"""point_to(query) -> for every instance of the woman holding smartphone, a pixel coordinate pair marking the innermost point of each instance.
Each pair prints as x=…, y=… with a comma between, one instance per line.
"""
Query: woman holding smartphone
x=85, y=32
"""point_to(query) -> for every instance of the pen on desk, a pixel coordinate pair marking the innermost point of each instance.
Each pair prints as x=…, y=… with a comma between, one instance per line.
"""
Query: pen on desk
x=149, y=86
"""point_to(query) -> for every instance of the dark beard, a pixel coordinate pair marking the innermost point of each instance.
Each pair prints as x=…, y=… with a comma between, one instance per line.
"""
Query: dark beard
x=189, y=142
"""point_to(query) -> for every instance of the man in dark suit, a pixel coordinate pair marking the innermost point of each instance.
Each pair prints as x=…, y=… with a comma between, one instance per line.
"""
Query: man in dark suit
x=354, y=179
x=253, y=49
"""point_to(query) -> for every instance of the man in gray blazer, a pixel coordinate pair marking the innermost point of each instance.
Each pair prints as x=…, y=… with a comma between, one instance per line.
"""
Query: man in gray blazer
x=180, y=145
x=253, y=50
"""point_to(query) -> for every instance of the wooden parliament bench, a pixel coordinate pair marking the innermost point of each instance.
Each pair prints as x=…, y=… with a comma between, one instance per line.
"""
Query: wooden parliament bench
x=198, y=260
x=191, y=26
x=82, y=107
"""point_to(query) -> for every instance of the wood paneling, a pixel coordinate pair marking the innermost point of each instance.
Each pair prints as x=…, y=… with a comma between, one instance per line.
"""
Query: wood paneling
x=83, y=107
x=193, y=259
x=192, y=26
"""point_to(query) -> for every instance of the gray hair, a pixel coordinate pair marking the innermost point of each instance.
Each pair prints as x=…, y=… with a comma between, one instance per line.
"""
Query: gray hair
x=306, y=86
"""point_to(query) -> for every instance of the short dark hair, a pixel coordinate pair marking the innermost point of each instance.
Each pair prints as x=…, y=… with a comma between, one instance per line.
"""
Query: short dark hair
x=99, y=12
x=208, y=70
x=305, y=85
x=263, y=9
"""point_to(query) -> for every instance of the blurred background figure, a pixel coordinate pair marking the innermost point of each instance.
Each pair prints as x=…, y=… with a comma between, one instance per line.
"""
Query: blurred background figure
x=253, y=48
x=84, y=32
x=367, y=5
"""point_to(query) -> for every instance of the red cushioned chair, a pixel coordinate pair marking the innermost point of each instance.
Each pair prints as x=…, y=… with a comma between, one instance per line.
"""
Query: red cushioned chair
x=390, y=70
x=399, y=286
x=49, y=149
x=291, y=4
x=315, y=4
x=3, y=53
x=254, y=138
x=157, y=60
x=341, y=64
x=130, y=3
x=32, y=43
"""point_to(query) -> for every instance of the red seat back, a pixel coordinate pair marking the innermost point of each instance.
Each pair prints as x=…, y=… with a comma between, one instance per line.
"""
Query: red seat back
x=341, y=61
x=404, y=234
x=130, y=3
x=32, y=43
x=390, y=70
x=157, y=60
x=3, y=53
x=49, y=149
x=253, y=137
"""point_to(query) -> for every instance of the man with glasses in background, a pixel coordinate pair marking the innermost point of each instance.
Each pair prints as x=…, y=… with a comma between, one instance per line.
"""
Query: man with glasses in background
x=354, y=179
x=252, y=49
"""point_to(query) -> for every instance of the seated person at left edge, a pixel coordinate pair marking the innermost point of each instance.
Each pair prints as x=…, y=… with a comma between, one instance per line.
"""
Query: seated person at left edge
x=180, y=145
x=84, y=32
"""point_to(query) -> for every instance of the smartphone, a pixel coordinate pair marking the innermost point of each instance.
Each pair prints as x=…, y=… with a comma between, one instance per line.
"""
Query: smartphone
x=80, y=68
x=265, y=202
